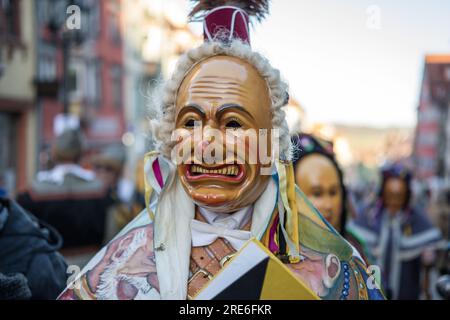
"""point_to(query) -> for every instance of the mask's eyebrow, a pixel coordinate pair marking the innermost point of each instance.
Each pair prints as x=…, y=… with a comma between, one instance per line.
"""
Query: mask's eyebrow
x=191, y=107
x=233, y=107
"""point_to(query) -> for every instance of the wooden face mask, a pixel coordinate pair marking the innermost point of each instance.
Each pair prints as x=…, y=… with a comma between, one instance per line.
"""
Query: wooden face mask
x=394, y=194
x=224, y=95
x=318, y=178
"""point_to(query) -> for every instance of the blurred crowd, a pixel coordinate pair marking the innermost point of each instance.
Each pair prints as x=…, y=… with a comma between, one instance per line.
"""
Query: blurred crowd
x=399, y=226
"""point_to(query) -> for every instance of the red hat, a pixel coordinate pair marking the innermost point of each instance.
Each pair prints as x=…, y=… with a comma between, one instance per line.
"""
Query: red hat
x=227, y=22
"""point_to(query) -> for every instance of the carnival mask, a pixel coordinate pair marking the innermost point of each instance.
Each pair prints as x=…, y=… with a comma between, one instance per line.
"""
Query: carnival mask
x=394, y=194
x=228, y=101
x=318, y=178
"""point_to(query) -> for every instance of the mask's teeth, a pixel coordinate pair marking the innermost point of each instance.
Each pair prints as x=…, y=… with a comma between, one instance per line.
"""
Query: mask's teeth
x=228, y=170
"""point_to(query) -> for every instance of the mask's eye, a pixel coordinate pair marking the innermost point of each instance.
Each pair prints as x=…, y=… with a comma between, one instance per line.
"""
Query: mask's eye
x=189, y=123
x=317, y=194
x=233, y=124
x=333, y=192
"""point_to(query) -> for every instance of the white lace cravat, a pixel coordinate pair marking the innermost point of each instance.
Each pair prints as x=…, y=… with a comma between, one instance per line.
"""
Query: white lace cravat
x=221, y=225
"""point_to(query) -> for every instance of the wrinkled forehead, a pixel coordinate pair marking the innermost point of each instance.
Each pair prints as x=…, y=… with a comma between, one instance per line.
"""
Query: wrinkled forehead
x=224, y=79
x=395, y=185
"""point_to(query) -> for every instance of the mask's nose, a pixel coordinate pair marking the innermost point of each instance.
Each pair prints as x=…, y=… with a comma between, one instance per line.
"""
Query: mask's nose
x=208, y=147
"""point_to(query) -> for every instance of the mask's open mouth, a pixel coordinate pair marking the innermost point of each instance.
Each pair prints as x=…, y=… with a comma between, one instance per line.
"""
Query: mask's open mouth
x=227, y=172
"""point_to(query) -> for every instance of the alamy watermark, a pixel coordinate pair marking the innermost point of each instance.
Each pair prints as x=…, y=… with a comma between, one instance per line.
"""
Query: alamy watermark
x=73, y=19
x=210, y=146
x=73, y=281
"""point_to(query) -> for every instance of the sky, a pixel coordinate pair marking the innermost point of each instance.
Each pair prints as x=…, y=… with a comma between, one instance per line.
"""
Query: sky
x=354, y=62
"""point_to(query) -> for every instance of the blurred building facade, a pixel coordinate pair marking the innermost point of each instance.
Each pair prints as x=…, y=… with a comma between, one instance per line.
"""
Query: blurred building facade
x=121, y=52
x=17, y=113
x=94, y=72
x=432, y=135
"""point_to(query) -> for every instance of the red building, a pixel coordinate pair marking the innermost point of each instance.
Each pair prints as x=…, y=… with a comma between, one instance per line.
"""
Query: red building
x=95, y=71
x=17, y=53
x=432, y=145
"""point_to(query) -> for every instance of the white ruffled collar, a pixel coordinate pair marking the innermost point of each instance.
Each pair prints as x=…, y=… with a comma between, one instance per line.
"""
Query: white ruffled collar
x=236, y=220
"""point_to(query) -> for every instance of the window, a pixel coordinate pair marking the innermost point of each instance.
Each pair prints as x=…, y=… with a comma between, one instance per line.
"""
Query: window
x=72, y=81
x=46, y=63
x=10, y=19
x=116, y=85
x=93, y=19
x=90, y=18
x=447, y=73
x=427, y=163
x=51, y=13
x=43, y=11
x=93, y=82
x=431, y=115
x=114, y=22
x=139, y=89
x=76, y=80
x=8, y=152
x=84, y=81
x=427, y=139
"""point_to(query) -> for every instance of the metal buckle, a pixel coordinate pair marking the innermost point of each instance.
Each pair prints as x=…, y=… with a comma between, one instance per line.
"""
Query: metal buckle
x=205, y=273
x=226, y=259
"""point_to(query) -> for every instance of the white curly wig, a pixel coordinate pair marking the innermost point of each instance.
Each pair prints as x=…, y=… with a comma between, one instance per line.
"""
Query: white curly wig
x=163, y=125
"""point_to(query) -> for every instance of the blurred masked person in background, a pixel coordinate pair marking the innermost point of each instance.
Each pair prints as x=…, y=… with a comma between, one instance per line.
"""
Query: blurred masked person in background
x=401, y=238
x=109, y=167
x=319, y=176
x=439, y=210
x=71, y=199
